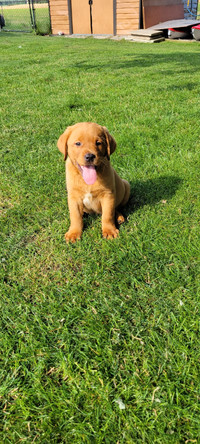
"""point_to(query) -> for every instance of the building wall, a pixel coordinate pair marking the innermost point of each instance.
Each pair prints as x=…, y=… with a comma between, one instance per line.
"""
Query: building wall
x=127, y=16
x=59, y=16
x=127, y=13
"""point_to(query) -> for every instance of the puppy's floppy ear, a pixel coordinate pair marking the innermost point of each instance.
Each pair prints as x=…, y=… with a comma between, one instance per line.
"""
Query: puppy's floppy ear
x=111, y=144
x=62, y=141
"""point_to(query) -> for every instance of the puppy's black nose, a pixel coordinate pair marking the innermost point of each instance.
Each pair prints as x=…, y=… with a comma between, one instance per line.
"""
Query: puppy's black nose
x=89, y=157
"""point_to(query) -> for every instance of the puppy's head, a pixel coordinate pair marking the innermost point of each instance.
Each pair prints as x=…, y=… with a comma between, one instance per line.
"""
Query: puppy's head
x=89, y=146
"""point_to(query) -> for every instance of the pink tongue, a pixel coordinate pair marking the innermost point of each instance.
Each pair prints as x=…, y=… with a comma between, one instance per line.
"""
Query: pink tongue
x=89, y=174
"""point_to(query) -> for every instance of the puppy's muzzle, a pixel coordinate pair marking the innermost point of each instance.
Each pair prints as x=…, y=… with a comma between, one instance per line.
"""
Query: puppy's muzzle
x=89, y=157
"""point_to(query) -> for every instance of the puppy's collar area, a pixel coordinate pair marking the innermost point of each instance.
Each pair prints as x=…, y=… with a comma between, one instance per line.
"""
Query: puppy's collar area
x=88, y=173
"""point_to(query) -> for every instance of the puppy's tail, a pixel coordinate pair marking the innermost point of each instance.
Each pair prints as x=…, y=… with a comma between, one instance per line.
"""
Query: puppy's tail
x=127, y=190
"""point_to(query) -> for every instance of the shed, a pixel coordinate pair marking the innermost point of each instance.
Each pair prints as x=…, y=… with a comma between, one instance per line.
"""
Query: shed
x=111, y=17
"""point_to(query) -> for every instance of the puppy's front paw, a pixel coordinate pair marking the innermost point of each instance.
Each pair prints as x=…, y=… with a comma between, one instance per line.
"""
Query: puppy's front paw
x=72, y=236
x=110, y=232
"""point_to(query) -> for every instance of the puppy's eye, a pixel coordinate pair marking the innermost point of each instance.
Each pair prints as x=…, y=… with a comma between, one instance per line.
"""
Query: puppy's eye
x=98, y=143
x=78, y=143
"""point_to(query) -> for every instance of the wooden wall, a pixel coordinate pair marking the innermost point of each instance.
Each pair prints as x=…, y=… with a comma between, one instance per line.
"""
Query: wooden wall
x=158, y=11
x=127, y=16
x=59, y=16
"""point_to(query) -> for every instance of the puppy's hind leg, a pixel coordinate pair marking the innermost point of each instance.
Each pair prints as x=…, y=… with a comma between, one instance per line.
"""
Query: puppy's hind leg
x=119, y=217
x=127, y=190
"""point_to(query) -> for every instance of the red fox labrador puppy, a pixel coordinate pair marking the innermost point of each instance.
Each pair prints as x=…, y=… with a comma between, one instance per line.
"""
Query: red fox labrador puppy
x=92, y=183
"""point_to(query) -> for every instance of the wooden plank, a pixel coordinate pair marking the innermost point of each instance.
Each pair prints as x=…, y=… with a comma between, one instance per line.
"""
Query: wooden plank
x=60, y=21
x=57, y=19
x=145, y=39
x=126, y=31
x=127, y=2
x=127, y=11
x=125, y=15
x=128, y=17
x=150, y=33
x=60, y=27
x=60, y=24
x=55, y=31
x=59, y=3
x=127, y=5
x=59, y=13
x=121, y=17
x=127, y=28
x=61, y=8
x=56, y=9
x=128, y=23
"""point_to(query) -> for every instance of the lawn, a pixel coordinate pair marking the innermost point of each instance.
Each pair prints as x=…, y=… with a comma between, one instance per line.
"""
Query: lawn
x=100, y=339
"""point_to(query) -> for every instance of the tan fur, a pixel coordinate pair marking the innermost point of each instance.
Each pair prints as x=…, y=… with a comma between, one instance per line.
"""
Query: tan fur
x=109, y=192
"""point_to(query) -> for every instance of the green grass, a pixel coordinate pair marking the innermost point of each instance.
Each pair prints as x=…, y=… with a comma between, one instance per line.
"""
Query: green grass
x=85, y=325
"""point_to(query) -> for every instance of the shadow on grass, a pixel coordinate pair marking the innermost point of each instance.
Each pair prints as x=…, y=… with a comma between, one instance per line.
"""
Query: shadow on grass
x=152, y=191
x=178, y=59
x=149, y=192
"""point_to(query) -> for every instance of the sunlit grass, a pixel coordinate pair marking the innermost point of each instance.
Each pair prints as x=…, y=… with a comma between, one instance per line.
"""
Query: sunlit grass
x=92, y=327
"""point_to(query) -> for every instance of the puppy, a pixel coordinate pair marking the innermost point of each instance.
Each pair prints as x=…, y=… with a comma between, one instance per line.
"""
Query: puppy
x=92, y=183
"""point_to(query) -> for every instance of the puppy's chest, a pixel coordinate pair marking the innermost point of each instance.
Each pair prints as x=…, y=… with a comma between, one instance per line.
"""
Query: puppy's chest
x=91, y=203
x=87, y=201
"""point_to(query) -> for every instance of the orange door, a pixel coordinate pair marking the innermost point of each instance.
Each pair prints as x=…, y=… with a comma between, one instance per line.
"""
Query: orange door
x=92, y=16
x=80, y=16
x=102, y=16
